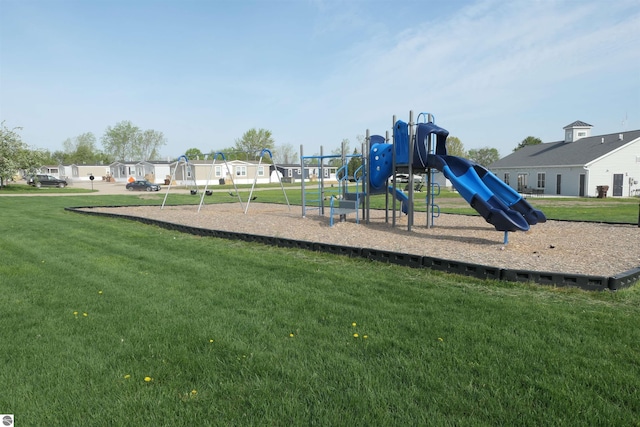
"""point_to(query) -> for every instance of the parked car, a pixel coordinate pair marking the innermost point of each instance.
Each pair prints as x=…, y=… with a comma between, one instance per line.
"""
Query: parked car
x=142, y=185
x=403, y=177
x=46, y=181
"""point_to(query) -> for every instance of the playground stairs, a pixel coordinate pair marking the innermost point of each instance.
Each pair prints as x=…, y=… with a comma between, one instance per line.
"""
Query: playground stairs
x=351, y=203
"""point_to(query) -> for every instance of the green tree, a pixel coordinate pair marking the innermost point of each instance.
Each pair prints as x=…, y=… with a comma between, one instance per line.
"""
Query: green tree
x=530, y=140
x=148, y=144
x=484, y=156
x=15, y=155
x=455, y=147
x=231, y=153
x=285, y=154
x=194, y=153
x=254, y=141
x=120, y=140
x=57, y=157
x=81, y=150
x=125, y=141
x=354, y=163
x=337, y=161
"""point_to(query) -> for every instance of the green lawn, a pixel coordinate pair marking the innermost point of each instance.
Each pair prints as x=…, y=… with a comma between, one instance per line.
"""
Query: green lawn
x=233, y=333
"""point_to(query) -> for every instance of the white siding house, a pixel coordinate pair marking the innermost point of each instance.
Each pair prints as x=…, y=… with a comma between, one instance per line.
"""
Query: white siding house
x=83, y=172
x=154, y=171
x=202, y=172
x=580, y=165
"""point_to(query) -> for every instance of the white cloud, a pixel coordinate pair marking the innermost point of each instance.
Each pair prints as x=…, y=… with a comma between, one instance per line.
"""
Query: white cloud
x=491, y=60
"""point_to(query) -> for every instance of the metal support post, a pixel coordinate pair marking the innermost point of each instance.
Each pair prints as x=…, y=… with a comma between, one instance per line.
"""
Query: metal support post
x=411, y=148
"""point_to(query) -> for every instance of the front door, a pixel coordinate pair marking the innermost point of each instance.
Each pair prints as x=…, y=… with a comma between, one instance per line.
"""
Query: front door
x=522, y=182
x=618, y=182
x=558, y=182
x=581, y=189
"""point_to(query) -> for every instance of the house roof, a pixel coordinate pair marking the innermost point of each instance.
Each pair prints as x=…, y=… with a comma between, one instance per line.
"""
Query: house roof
x=155, y=162
x=561, y=153
x=578, y=124
x=209, y=162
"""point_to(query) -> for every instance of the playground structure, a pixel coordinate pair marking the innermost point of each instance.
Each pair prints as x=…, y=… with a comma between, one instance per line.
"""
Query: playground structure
x=189, y=176
x=420, y=148
x=315, y=196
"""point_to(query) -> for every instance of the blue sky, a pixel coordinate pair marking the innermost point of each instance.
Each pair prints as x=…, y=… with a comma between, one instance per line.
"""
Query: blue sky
x=315, y=72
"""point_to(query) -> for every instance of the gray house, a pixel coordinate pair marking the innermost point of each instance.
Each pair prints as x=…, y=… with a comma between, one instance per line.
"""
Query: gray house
x=293, y=172
x=579, y=165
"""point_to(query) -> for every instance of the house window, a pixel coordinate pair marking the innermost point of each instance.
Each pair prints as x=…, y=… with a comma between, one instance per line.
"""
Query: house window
x=299, y=171
x=218, y=172
x=241, y=171
x=53, y=170
x=581, y=134
x=261, y=171
x=289, y=173
x=325, y=172
x=506, y=178
x=541, y=177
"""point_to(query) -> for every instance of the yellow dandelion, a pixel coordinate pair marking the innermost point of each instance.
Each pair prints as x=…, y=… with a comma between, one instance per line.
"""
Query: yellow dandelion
x=354, y=324
x=75, y=313
x=365, y=337
x=291, y=335
x=356, y=335
x=126, y=377
x=99, y=292
x=210, y=340
x=148, y=379
x=85, y=314
x=194, y=392
x=440, y=339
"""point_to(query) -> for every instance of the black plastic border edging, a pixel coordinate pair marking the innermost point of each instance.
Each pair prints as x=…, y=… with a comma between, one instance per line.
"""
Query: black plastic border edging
x=586, y=282
x=466, y=269
x=624, y=279
x=589, y=283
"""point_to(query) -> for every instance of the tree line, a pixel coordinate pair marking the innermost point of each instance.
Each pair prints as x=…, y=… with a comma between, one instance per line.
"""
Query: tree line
x=126, y=142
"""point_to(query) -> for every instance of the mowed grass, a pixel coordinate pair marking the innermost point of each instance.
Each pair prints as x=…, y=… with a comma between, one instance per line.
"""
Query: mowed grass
x=112, y=322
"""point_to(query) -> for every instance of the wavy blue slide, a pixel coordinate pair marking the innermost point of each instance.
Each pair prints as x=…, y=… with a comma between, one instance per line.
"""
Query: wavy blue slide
x=498, y=203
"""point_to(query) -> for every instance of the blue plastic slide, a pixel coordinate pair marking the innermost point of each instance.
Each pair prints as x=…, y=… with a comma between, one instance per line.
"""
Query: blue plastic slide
x=509, y=196
x=497, y=202
x=381, y=162
x=487, y=201
x=402, y=197
x=381, y=168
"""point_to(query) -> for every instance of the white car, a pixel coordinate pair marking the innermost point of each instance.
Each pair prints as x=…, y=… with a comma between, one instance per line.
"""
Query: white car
x=403, y=177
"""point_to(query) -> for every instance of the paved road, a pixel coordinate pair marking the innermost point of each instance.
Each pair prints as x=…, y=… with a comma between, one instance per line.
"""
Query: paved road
x=102, y=188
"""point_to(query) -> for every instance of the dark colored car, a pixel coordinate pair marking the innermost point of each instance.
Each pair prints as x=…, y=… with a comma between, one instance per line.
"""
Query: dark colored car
x=46, y=181
x=142, y=185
